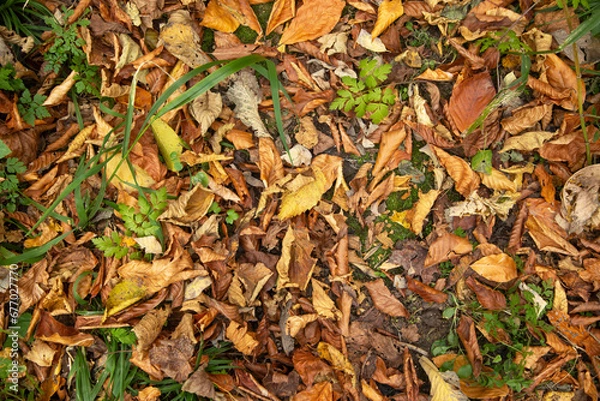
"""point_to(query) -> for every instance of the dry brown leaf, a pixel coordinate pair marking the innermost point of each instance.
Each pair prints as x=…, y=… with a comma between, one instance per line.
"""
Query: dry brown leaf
x=488, y=298
x=563, y=78
x=528, y=141
x=388, y=12
x=421, y=209
x=304, y=198
x=525, y=118
x=336, y=359
x=426, y=292
x=59, y=93
x=322, y=303
x=219, y=18
x=468, y=337
x=499, y=268
x=465, y=179
x=182, y=41
x=384, y=300
x=199, y=383
x=436, y=75
x=189, y=207
x=283, y=11
x=445, y=247
x=390, y=141
x=294, y=324
x=243, y=340
x=52, y=331
x=497, y=181
x=313, y=19
x=320, y=391
x=469, y=98
x=149, y=327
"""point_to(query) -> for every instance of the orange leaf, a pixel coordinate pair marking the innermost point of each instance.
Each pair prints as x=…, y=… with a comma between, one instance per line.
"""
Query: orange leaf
x=487, y=297
x=445, y=247
x=219, y=18
x=390, y=141
x=499, y=268
x=426, y=292
x=384, y=300
x=468, y=336
x=465, y=179
x=388, y=12
x=283, y=11
x=314, y=19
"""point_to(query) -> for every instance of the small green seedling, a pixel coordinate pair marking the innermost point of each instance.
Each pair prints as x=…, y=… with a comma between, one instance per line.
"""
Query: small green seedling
x=32, y=108
x=364, y=95
x=9, y=182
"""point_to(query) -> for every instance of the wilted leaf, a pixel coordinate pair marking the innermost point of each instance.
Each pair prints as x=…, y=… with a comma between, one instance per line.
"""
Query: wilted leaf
x=149, y=327
x=322, y=303
x=243, y=340
x=426, y=292
x=384, y=300
x=468, y=337
x=199, y=383
x=390, y=141
x=421, y=209
x=441, y=387
x=388, y=12
x=51, y=330
x=499, y=268
x=245, y=93
x=205, y=109
x=527, y=142
x=59, y=93
x=497, y=181
x=189, y=207
x=488, y=298
x=314, y=18
x=319, y=392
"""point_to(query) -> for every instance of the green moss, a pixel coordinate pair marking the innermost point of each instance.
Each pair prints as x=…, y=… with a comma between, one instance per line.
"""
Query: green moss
x=246, y=35
x=208, y=40
x=355, y=228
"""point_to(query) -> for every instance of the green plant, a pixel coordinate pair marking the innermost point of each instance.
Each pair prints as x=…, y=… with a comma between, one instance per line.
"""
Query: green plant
x=482, y=161
x=231, y=216
x=365, y=95
x=67, y=51
x=8, y=81
x=141, y=221
x=32, y=108
x=507, y=42
x=24, y=17
x=9, y=182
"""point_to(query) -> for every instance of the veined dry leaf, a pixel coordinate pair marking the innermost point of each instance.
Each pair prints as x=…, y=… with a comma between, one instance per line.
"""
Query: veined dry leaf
x=388, y=12
x=525, y=118
x=219, y=18
x=189, y=207
x=149, y=327
x=390, y=141
x=305, y=197
x=52, y=331
x=499, y=268
x=497, y=181
x=488, y=298
x=562, y=77
x=528, y=141
x=320, y=391
x=469, y=98
x=182, y=41
x=547, y=234
x=384, y=300
x=50, y=230
x=444, y=387
x=245, y=93
x=41, y=353
x=313, y=19
x=421, y=209
x=205, y=109
x=199, y=383
x=77, y=144
x=445, y=247
x=243, y=340
x=498, y=205
x=282, y=12
x=169, y=144
x=322, y=303
x=59, y=93
x=336, y=359
x=465, y=179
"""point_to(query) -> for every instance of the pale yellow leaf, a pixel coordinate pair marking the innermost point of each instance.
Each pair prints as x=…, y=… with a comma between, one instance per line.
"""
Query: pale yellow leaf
x=441, y=390
x=77, y=143
x=123, y=295
x=499, y=268
x=294, y=324
x=59, y=93
x=314, y=18
x=182, y=41
x=169, y=144
x=497, y=181
x=205, y=109
x=322, y=303
x=528, y=141
x=189, y=207
x=388, y=12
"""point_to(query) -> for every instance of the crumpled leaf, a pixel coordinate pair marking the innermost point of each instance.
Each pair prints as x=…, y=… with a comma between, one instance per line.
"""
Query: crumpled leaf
x=322, y=303
x=384, y=300
x=205, y=109
x=149, y=327
x=245, y=94
x=527, y=142
x=51, y=330
x=444, y=387
x=169, y=144
x=368, y=42
x=337, y=360
x=304, y=198
x=388, y=12
x=421, y=209
x=59, y=93
x=243, y=340
x=189, y=207
x=497, y=205
x=563, y=78
x=124, y=178
x=445, y=247
x=313, y=19
x=499, y=268
x=580, y=208
x=199, y=383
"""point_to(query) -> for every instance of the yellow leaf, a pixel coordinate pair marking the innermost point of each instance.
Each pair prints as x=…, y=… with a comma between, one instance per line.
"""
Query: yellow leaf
x=314, y=19
x=123, y=295
x=168, y=143
x=124, y=175
x=304, y=198
x=74, y=149
x=422, y=209
x=388, y=12
x=322, y=303
x=499, y=268
x=337, y=360
x=528, y=141
x=497, y=181
x=441, y=390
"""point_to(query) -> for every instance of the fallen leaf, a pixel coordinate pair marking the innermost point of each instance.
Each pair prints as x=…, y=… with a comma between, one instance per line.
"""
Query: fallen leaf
x=499, y=268
x=337, y=360
x=446, y=247
x=465, y=179
x=314, y=18
x=469, y=98
x=388, y=12
x=282, y=12
x=169, y=144
x=443, y=387
x=384, y=300
x=243, y=340
x=304, y=198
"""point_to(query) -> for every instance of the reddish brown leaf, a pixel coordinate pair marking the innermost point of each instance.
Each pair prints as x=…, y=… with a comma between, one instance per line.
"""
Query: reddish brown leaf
x=384, y=300
x=426, y=292
x=468, y=337
x=469, y=98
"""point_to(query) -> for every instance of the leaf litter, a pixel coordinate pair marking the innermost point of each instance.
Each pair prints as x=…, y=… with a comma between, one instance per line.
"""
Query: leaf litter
x=300, y=251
